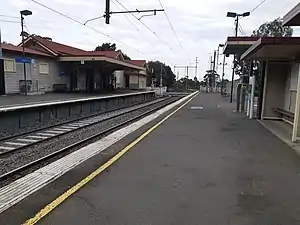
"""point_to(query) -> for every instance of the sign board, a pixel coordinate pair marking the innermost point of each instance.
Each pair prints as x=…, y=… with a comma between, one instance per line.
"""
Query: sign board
x=23, y=60
x=82, y=62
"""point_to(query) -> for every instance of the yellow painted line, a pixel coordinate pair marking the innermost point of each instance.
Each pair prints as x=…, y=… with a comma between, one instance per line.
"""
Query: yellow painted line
x=59, y=200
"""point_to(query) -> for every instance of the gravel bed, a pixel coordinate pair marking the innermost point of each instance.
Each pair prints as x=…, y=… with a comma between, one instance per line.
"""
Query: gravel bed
x=102, y=116
x=27, y=155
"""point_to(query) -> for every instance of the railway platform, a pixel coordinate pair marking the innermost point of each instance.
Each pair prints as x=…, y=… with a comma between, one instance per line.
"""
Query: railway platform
x=200, y=164
x=21, y=100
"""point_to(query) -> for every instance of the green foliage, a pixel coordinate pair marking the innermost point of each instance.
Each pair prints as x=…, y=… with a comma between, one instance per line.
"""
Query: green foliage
x=211, y=77
x=126, y=57
x=273, y=29
x=168, y=77
x=106, y=47
x=187, y=84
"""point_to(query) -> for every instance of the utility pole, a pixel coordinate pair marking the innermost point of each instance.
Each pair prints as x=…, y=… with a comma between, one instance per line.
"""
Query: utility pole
x=187, y=77
x=236, y=16
x=24, y=13
x=108, y=13
x=2, y=87
x=213, y=71
x=223, y=74
x=161, y=71
x=177, y=83
x=196, y=72
x=187, y=72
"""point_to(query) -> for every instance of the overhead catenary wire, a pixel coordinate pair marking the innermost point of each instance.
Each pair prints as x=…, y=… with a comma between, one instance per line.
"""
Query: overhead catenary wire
x=242, y=30
x=137, y=29
x=169, y=21
x=9, y=16
x=256, y=7
x=9, y=21
x=165, y=43
x=81, y=23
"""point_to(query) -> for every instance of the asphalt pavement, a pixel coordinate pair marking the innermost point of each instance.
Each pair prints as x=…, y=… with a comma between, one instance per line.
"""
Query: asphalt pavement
x=204, y=165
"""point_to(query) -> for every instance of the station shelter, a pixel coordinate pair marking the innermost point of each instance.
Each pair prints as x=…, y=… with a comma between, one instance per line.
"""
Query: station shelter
x=237, y=46
x=281, y=86
x=91, y=71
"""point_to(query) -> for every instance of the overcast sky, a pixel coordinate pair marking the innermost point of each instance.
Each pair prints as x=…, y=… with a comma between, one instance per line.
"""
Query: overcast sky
x=199, y=24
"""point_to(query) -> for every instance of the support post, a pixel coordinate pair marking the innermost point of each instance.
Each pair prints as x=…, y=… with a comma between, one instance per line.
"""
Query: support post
x=261, y=89
x=264, y=90
x=252, y=98
x=297, y=108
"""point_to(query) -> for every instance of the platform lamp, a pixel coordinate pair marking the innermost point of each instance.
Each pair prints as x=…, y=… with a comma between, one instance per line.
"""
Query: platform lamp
x=24, y=13
x=236, y=16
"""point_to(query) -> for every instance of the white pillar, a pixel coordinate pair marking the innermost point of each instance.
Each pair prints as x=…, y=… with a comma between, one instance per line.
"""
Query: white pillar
x=297, y=107
x=252, y=98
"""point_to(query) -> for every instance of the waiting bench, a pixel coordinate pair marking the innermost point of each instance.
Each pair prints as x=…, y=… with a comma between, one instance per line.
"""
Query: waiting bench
x=285, y=114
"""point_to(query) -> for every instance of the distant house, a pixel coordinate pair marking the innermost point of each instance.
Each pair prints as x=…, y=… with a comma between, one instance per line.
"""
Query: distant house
x=42, y=70
x=90, y=70
x=137, y=78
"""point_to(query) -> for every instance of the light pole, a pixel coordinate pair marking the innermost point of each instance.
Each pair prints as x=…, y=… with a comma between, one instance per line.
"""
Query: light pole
x=24, y=13
x=236, y=16
x=223, y=69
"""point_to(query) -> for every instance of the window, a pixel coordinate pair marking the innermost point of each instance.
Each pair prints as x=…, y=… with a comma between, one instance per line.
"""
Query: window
x=9, y=65
x=44, y=68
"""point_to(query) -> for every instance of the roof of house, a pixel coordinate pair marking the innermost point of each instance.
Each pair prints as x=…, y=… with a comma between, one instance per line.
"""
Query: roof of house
x=14, y=48
x=137, y=62
x=292, y=18
x=62, y=49
x=110, y=54
x=283, y=48
x=58, y=48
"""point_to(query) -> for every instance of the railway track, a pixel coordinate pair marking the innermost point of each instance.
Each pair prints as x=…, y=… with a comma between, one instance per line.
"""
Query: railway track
x=132, y=114
x=18, y=142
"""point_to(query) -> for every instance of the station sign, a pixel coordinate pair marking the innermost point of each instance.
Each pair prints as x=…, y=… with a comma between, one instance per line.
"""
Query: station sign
x=23, y=60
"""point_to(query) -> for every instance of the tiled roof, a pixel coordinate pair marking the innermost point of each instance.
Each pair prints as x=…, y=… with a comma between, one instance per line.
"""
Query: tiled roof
x=58, y=48
x=13, y=48
x=62, y=49
x=137, y=62
x=111, y=54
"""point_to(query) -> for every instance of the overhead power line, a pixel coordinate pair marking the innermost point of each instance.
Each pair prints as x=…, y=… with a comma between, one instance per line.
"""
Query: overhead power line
x=242, y=30
x=137, y=29
x=165, y=43
x=9, y=21
x=176, y=36
x=262, y=2
x=79, y=22
x=9, y=16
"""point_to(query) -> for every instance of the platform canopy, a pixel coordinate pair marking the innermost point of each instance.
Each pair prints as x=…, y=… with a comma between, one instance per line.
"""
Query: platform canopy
x=292, y=18
x=274, y=48
x=238, y=45
x=93, y=57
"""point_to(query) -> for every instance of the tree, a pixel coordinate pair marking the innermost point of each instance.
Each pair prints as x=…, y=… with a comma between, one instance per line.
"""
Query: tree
x=211, y=78
x=168, y=77
x=106, y=47
x=274, y=28
x=126, y=57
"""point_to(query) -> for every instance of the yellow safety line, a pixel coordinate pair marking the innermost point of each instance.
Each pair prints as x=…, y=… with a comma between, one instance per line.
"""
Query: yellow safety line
x=59, y=200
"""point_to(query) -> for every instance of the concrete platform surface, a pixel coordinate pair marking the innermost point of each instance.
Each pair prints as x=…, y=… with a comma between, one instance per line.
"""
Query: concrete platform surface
x=17, y=100
x=204, y=165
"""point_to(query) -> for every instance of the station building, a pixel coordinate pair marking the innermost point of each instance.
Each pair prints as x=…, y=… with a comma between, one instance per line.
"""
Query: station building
x=52, y=66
